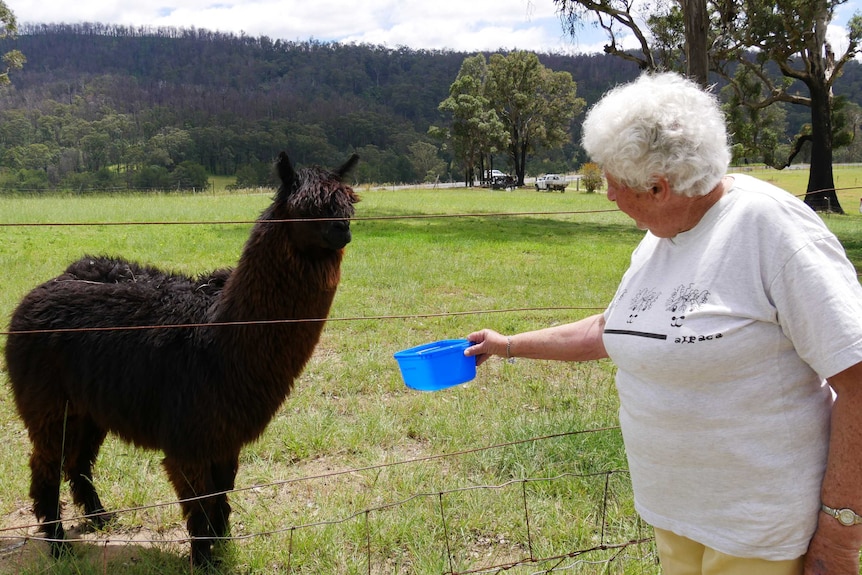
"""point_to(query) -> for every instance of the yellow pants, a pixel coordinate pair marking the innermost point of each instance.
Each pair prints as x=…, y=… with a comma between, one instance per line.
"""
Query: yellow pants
x=682, y=556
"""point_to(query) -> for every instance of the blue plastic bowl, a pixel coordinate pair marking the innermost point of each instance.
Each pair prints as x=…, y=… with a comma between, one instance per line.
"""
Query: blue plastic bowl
x=436, y=365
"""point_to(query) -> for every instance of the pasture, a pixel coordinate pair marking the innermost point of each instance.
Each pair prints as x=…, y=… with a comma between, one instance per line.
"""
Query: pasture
x=521, y=467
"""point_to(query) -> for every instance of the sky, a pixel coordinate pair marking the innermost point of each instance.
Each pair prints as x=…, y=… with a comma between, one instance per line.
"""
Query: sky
x=458, y=25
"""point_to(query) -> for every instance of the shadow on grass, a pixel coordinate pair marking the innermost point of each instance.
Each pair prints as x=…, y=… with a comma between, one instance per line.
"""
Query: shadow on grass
x=103, y=555
x=494, y=228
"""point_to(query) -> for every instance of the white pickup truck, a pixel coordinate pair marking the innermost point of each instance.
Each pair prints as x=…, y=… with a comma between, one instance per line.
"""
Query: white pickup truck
x=551, y=182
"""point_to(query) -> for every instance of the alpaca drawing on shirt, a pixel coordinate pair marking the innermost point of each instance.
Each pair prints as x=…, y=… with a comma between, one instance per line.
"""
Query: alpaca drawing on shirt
x=641, y=302
x=684, y=300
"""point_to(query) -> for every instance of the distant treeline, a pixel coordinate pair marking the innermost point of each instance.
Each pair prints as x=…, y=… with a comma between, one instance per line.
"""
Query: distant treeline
x=105, y=106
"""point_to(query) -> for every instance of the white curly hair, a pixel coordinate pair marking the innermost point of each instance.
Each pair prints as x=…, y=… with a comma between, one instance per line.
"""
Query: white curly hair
x=660, y=125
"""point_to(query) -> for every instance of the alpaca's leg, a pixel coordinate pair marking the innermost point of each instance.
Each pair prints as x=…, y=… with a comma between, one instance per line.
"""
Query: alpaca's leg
x=224, y=475
x=192, y=480
x=81, y=452
x=45, y=472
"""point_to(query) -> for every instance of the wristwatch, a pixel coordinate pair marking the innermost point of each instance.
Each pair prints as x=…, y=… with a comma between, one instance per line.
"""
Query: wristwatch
x=846, y=517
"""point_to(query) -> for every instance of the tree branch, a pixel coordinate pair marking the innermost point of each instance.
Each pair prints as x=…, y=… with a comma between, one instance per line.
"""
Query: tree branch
x=797, y=147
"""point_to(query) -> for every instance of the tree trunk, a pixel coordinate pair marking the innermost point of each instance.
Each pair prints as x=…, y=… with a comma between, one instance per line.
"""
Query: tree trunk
x=518, y=154
x=520, y=163
x=820, y=195
x=696, y=49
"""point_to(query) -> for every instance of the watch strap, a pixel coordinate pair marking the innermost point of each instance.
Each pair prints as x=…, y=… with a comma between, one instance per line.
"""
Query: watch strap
x=845, y=516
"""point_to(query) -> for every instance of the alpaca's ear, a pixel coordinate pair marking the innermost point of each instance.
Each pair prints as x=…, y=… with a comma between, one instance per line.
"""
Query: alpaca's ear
x=347, y=167
x=286, y=173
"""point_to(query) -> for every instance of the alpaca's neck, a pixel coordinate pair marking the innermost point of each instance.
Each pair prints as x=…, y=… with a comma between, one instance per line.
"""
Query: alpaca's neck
x=273, y=282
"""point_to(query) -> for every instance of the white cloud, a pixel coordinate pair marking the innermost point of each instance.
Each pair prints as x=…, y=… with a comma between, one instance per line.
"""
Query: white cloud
x=442, y=24
x=462, y=25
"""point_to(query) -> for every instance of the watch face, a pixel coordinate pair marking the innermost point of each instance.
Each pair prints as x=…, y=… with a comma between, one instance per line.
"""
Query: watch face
x=846, y=516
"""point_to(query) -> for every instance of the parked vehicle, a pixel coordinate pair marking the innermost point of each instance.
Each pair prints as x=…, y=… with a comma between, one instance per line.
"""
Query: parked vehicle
x=498, y=180
x=551, y=182
x=504, y=182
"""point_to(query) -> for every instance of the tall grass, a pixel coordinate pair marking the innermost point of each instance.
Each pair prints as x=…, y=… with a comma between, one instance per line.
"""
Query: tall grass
x=352, y=439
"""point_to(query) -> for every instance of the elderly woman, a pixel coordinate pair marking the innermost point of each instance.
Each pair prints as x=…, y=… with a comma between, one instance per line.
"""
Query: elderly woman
x=737, y=323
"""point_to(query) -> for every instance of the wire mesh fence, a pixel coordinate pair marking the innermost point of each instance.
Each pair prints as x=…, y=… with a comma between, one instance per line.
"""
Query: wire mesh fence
x=483, y=528
x=455, y=523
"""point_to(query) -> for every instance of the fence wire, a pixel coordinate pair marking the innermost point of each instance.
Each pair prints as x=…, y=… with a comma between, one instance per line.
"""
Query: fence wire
x=615, y=542
x=612, y=543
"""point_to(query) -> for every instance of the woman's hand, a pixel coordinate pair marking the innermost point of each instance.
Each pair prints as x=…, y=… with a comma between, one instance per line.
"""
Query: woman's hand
x=487, y=343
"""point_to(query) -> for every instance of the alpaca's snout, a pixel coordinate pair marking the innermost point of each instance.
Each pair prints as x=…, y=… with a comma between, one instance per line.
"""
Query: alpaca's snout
x=338, y=234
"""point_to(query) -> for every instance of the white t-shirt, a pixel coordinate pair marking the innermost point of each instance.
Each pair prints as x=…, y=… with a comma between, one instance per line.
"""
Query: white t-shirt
x=723, y=337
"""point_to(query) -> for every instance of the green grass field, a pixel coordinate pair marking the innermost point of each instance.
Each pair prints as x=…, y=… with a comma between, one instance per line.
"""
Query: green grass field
x=357, y=473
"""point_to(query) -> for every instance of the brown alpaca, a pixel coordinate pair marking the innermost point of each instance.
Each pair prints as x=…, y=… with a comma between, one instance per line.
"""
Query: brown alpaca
x=198, y=393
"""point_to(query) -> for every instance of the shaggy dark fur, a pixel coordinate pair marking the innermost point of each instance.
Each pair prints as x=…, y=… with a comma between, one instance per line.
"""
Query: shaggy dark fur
x=198, y=393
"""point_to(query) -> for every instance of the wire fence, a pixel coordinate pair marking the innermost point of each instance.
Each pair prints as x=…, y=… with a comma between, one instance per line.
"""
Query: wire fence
x=614, y=543
x=614, y=540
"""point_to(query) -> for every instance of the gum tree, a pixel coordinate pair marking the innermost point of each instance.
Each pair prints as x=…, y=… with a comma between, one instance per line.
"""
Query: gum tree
x=535, y=104
x=12, y=60
x=475, y=130
x=759, y=36
x=791, y=35
x=670, y=33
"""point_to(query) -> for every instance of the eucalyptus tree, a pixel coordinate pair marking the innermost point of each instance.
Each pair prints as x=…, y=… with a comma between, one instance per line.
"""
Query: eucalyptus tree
x=759, y=36
x=13, y=59
x=758, y=132
x=475, y=131
x=790, y=35
x=425, y=162
x=535, y=104
x=665, y=30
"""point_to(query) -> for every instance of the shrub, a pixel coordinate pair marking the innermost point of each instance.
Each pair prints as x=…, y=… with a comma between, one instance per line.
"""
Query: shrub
x=254, y=175
x=189, y=176
x=591, y=176
x=33, y=179
x=152, y=178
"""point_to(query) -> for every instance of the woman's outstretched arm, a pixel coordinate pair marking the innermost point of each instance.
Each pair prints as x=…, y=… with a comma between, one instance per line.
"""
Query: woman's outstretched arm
x=577, y=341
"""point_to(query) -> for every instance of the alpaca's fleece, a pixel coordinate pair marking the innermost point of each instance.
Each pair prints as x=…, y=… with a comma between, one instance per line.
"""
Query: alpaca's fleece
x=193, y=366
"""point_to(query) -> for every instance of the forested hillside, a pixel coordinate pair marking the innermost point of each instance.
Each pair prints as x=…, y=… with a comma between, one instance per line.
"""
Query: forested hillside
x=110, y=106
